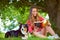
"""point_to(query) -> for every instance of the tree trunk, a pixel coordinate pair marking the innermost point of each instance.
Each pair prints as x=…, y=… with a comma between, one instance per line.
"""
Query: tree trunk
x=58, y=16
x=53, y=8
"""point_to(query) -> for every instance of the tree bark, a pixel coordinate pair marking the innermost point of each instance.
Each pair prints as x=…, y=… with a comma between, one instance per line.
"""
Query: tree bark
x=58, y=17
x=53, y=8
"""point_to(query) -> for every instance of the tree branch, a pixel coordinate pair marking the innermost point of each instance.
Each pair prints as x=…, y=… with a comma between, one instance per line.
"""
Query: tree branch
x=31, y=4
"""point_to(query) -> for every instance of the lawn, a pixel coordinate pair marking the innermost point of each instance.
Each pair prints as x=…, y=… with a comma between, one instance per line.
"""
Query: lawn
x=29, y=38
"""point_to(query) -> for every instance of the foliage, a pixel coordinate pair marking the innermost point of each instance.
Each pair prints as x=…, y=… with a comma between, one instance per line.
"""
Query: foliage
x=11, y=12
x=44, y=14
x=21, y=15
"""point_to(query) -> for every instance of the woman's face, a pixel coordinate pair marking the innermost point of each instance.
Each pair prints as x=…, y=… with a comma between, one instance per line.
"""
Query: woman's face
x=34, y=11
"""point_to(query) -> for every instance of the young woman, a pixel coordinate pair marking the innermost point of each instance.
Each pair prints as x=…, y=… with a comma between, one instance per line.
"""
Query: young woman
x=34, y=17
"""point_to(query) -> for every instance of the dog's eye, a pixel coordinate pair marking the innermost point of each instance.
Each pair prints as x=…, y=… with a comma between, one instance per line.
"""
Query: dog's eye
x=22, y=29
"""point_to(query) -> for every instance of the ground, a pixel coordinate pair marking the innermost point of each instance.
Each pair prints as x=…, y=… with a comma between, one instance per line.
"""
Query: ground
x=18, y=38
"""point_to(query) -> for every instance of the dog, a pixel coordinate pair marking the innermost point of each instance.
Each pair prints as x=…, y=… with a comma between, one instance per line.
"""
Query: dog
x=22, y=32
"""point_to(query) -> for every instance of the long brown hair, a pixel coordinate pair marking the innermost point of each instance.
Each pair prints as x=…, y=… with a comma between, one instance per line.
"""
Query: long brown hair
x=36, y=18
x=31, y=17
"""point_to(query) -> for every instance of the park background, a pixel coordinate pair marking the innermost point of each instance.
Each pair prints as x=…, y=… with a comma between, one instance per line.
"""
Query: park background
x=12, y=12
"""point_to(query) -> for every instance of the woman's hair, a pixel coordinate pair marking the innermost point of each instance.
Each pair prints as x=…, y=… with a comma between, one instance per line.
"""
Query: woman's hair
x=31, y=10
x=31, y=17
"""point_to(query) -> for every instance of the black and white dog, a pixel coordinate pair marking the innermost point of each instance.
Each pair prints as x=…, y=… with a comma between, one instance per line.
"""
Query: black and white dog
x=22, y=32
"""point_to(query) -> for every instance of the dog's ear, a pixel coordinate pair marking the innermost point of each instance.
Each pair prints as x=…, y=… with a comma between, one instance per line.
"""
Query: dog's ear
x=26, y=25
x=20, y=26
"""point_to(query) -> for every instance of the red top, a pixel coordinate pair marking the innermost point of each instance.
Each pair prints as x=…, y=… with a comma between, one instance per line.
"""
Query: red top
x=30, y=28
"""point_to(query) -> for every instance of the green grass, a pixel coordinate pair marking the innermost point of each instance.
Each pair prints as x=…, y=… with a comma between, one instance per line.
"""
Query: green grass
x=37, y=38
x=10, y=38
x=2, y=35
x=29, y=38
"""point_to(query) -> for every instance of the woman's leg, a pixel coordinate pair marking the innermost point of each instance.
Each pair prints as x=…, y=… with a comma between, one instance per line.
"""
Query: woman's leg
x=50, y=30
x=44, y=32
x=39, y=35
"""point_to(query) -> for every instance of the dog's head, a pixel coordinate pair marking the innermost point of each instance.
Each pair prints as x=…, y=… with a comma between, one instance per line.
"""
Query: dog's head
x=23, y=28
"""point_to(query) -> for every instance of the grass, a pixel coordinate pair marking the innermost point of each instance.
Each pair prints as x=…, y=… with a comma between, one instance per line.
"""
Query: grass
x=2, y=35
x=37, y=38
x=10, y=38
x=29, y=38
